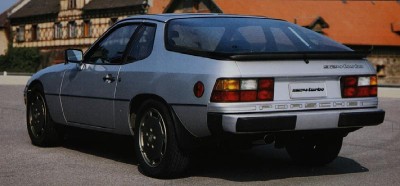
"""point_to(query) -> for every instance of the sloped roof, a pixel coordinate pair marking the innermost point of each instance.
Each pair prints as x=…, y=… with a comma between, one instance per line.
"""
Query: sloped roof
x=351, y=23
x=111, y=4
x=3, y=19
x=38, y=8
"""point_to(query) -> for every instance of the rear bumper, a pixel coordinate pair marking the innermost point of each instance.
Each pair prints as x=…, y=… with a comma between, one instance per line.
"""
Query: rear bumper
x=289, y=121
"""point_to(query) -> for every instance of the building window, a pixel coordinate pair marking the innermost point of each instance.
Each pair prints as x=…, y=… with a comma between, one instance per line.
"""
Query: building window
x=35, y=33
x=71, y=4
x=21, y=34
x=58, y=31
x=72, y=30
x=87, y=28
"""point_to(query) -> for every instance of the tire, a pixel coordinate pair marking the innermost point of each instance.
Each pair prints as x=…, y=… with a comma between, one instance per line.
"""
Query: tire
x=314, y=150
x=42, y=130
x=156, y=145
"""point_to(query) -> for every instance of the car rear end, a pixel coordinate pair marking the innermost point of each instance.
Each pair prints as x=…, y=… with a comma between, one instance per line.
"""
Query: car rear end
x=255, y=78
x=291, y=78
x=274, y=96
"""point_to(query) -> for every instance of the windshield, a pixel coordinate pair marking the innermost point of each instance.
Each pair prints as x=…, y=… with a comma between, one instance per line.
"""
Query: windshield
x=237, y=36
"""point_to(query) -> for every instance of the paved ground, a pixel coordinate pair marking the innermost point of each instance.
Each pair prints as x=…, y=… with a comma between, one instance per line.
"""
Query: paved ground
x=13, y=80
x=369, y=156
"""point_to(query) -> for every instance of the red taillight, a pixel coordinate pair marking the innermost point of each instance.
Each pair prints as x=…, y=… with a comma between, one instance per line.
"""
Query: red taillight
x=359, y=86
x=350, y=81
x=248, y=95
x=266, y=95
x=266, y=83
x=243, y=90
x=225, y=96
x=373, y=91
x=349, y=92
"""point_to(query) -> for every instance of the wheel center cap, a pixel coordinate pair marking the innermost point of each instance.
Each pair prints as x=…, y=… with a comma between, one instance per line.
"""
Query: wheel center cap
x=150, y=138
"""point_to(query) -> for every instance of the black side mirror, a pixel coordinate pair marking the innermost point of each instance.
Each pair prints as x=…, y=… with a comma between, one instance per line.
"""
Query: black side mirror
x=73, y=56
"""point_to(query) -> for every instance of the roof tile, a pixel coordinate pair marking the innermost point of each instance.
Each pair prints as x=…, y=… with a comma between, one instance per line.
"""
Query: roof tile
x=352, y=23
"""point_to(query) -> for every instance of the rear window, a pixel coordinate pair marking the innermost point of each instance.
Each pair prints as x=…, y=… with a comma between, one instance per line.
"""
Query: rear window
x=245, y=36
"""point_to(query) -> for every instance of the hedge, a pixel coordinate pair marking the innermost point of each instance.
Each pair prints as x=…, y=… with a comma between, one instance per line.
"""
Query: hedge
x=21, y=60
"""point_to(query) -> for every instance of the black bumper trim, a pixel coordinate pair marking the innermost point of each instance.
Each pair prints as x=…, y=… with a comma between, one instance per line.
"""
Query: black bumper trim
x=214, y=122
x=359, y=119
x=270, y=124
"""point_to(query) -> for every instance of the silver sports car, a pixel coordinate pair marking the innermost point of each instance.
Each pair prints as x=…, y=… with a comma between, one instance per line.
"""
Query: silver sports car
x=179, y=82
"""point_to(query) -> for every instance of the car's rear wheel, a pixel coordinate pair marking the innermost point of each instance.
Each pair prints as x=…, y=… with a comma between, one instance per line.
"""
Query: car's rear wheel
x=156, y=145
x=314, y=150
x=41, y=128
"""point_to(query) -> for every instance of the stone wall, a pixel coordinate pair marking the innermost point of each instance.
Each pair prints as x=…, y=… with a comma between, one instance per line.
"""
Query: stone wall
x=386, y=60
x=388, y=68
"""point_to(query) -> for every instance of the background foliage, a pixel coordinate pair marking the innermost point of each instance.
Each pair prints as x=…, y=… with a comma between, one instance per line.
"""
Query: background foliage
x=21, y=60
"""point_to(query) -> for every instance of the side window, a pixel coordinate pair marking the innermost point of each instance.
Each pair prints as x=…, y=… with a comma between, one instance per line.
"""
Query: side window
x=143, y=44
x=283, y=42
x=112, y=48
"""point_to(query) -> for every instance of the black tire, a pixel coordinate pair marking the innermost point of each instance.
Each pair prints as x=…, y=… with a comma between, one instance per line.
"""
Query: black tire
x=314, y=150
x=41, y=128
x=156, y=145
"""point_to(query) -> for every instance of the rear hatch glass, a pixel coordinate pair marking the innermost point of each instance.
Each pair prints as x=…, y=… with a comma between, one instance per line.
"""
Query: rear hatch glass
x=226, y=37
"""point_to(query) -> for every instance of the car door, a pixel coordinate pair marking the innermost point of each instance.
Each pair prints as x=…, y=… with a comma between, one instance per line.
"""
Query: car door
x=88, y=90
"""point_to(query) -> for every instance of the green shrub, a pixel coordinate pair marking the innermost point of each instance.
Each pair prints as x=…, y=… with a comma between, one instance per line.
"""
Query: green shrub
x=20, y=60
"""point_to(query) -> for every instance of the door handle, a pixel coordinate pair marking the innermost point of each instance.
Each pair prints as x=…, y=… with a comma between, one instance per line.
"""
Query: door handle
x=108, y=78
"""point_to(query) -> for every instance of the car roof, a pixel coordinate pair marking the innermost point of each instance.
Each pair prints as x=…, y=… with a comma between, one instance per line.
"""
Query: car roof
x=169, y=16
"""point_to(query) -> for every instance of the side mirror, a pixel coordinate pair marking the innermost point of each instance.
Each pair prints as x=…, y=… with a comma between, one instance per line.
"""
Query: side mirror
x=73, y=56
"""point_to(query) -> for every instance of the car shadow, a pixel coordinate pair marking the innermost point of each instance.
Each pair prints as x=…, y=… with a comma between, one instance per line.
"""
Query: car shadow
x=110, y=146
x=264, y=163
x=261, y=163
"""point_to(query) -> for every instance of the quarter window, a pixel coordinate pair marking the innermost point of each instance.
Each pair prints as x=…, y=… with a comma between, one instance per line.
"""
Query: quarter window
x=143, y=44
x=112, y=48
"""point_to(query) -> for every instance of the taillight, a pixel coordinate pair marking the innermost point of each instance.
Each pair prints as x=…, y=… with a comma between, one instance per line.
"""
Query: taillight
x=359, y=86
x=243, y=90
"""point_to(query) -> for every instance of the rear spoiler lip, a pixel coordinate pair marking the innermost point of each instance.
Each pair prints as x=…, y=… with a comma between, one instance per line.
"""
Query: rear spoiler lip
x=350, y=55
x=343, y=55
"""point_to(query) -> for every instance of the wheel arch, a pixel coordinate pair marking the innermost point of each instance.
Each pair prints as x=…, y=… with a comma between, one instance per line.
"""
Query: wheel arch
x=35, y=83
x=29, y=87
x=135, y=104
x=138, y=100
x=186, y=140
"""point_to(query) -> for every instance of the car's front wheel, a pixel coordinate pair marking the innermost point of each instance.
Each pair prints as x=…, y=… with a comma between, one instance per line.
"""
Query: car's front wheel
x=314, y=150
x=156, y=145
x=41, y=128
